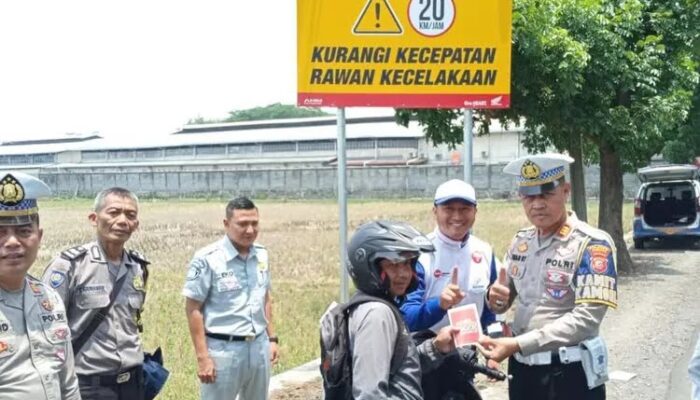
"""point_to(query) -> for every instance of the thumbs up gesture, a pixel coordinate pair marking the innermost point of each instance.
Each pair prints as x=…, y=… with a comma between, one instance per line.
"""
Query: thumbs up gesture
x=499, y=292
x=451, y=295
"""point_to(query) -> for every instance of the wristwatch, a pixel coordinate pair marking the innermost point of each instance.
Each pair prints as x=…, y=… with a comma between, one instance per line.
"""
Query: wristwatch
x=274, y=339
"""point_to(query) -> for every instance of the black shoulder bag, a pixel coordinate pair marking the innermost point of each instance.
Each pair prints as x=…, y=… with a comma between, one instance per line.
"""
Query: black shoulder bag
x=99, y=317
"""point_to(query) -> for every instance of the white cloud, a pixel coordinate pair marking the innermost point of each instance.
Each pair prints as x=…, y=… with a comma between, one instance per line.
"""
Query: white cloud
x=134, y=68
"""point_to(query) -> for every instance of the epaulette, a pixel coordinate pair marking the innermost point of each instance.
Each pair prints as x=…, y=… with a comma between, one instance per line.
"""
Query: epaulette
x=526, y=232
x=206, y=250
x=595, y=233
x=74, y=253
x=138, y=256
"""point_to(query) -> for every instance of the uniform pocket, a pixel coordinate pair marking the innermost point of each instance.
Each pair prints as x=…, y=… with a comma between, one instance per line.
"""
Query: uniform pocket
x=88, y=301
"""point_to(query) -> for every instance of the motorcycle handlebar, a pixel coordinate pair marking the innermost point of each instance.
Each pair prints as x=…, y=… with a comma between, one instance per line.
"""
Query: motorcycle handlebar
x=470, y=358
x=490, y=372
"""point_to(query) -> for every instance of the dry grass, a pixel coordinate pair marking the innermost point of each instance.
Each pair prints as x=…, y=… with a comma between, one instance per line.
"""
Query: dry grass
x=303, y=241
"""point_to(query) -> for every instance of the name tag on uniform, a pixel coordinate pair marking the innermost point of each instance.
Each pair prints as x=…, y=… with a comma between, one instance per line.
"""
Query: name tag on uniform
x=227, y=284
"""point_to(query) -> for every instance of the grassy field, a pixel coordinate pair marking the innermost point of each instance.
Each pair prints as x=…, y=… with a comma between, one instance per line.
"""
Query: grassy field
x=302, y=238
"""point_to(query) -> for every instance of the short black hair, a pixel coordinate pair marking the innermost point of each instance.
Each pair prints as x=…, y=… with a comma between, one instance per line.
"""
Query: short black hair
x=239, y=203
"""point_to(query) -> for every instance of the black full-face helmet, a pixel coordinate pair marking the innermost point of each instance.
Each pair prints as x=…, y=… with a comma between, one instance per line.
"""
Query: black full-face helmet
x=376, y=240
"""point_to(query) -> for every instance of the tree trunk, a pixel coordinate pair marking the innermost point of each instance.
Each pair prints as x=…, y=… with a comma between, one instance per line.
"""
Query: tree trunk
x=578, y=182
x=611, y=198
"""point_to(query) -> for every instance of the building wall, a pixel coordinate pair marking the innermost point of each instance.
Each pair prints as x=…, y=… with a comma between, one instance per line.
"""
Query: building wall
x=370, y=182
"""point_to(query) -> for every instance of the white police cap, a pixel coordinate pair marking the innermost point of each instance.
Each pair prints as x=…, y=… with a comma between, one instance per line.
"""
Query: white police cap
x=538, y=173
x=455, y=189
x=18, y=194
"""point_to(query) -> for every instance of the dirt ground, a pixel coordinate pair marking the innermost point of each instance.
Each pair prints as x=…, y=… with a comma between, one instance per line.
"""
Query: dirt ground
x=648, y=335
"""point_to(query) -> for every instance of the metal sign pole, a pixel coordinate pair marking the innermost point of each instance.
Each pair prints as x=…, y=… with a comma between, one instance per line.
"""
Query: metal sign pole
x=343, y=205
x=468, y=145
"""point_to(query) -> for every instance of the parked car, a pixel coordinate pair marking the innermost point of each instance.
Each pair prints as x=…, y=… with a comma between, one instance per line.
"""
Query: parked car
x=667, y=204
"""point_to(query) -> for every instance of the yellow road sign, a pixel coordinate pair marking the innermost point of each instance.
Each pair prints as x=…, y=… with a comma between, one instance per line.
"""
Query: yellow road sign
x=404, y=53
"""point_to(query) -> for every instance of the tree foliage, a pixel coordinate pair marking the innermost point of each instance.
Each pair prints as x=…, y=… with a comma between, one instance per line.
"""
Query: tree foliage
x=615, y=76
x=272, y=111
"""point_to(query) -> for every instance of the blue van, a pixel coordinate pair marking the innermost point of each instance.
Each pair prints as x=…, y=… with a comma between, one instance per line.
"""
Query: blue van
x=667, y=204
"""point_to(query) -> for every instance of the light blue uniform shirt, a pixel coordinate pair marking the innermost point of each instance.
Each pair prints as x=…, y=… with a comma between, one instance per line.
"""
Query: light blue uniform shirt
x=231, y=289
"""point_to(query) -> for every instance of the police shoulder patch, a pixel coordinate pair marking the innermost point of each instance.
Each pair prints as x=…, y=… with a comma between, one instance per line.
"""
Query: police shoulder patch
x=56, y=279
x=197, y=265
x=74, y=253
x=138, y=256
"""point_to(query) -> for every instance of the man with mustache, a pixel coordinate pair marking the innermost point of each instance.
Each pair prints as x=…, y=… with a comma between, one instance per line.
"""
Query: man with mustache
x=36, y=356
x=561, y=276
x=104, y=278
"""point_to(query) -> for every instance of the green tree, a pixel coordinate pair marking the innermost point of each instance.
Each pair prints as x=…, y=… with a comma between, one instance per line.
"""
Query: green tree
x=272, y=111
x=686, y=146
x=609, y=81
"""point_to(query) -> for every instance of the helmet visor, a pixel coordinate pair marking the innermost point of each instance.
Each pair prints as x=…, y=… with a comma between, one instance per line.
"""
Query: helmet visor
x=395, y=256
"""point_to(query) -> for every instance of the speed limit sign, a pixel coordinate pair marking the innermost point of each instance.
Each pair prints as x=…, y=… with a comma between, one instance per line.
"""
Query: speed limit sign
x=431, y=17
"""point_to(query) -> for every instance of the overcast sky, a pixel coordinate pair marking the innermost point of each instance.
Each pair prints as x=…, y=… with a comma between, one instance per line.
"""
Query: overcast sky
x=130, y=68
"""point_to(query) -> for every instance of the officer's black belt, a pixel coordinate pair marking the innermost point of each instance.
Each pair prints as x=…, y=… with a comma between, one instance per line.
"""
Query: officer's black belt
x=232, y=338
x=111, y=380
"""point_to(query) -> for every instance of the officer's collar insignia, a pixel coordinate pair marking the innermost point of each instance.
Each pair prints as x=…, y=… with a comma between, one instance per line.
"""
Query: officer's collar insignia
x=61, y=354
x=522, y=247
x=564, y=230
x=3, y=347
x=47, y=305
x=11, y=191
x=529, y=170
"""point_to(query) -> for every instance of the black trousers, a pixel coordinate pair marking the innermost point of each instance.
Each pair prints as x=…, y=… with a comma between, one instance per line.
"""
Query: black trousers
x=113, y=387
x=550, y=382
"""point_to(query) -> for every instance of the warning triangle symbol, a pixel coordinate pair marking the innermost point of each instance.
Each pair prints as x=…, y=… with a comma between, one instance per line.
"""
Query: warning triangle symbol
x=377, y=18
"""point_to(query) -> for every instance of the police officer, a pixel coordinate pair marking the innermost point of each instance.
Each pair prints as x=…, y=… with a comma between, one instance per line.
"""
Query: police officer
x=103, y=278
x=562, y=277
x=36, y=357
x=229, y=310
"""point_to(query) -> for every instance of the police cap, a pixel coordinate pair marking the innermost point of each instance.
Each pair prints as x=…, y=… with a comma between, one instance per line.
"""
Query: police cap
x=538, y=173
x=18, y=194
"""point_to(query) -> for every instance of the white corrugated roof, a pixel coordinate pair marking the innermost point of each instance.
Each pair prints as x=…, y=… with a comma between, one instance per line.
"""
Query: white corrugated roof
x=387, y=129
